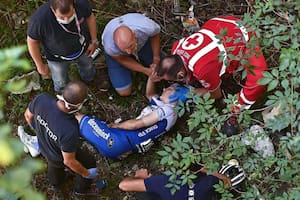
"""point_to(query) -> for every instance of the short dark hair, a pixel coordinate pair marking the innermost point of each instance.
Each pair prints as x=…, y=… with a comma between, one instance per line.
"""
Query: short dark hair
x=62, y=5
x=170, y=66
x=75, y=92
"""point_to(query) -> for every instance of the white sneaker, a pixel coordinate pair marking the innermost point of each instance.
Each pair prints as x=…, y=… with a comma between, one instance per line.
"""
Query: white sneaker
x=30, y=142
x=31, y=81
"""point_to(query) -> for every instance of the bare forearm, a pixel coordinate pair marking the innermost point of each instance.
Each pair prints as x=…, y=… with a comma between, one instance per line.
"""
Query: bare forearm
x=130, y=124
x=91, y=22
x=28, y=116
x=34, y=50
x=132, y=184
x=76, y=167
x=222, y=177
x=35, y=53
x=155, y=44
x=150, y=89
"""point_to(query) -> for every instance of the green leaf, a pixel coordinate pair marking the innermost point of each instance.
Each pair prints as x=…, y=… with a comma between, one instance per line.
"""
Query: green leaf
x=168, y=149
x=264, y=81
x=285, y=84
x=275, y=72
x=162, y=153
x=224, y=32
x=175, y=154
x=277, y=44
x=267, y=75
x=179, y=137
x=273, y=84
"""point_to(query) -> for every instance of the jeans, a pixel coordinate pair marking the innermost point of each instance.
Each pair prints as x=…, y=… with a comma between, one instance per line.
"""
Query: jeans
x=56, y=171
x=120, y=76
x=60, y=69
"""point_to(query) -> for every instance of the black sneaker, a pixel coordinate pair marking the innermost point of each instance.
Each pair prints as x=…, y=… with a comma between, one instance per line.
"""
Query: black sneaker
x=101, y=80
x=104, y=85
x=56, y=193
x=92, y=191
x=230, y=127
x=100, y=183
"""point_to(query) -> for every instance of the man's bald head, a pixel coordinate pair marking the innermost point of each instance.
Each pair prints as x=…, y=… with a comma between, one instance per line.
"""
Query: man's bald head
x=75, y=92
x=124, y=38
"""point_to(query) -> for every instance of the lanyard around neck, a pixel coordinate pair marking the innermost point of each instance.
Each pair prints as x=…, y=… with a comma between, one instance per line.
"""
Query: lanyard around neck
x=77, y=25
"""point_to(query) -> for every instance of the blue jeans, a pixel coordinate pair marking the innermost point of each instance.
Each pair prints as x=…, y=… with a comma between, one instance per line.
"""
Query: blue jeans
x=120, y=76
x=59, y=71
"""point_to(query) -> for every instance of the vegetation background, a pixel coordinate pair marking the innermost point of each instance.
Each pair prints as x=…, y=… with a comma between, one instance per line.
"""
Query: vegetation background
x=197, y=137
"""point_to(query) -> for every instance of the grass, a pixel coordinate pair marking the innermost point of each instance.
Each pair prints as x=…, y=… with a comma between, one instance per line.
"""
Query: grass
x=106, y=106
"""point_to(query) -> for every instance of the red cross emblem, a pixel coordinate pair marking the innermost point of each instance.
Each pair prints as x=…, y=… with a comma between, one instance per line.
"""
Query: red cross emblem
x=193, y=41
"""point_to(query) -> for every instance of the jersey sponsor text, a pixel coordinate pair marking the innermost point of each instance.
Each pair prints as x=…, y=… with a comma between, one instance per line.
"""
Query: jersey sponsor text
x=45, y=125
x=97, y=130
x=148, y=130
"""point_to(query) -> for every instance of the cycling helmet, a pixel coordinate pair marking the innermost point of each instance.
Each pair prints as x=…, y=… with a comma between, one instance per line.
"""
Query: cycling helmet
x=235, y=173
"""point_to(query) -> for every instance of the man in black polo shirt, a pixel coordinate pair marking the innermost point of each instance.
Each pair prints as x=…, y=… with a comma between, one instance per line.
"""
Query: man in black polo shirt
x=66, y=29
x=58, y=133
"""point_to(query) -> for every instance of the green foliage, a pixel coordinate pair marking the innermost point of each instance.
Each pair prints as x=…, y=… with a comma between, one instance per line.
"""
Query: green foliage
x=277, y=26
x=15, y=182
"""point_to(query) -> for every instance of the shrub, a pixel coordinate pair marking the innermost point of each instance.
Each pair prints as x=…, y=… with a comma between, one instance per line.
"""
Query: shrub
x=15, y=173
x=277, y=177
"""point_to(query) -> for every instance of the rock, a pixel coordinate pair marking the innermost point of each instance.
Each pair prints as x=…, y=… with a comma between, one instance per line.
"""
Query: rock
x=259, y=141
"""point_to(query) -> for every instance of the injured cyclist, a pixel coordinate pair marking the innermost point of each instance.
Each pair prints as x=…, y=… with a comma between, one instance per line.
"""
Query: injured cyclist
x=134, y=135
x=117, y=140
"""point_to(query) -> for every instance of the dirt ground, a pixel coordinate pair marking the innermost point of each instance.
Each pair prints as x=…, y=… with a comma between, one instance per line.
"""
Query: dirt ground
x=108, y=106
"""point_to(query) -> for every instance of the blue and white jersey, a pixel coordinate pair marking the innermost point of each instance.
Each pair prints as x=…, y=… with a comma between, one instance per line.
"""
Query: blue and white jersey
x=114, y=142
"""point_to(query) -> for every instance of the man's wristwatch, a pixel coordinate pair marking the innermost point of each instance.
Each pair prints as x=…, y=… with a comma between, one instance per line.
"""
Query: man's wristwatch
x=95, y=43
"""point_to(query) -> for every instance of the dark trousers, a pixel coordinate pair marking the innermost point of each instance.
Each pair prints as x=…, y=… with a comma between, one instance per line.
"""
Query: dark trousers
x=57, y=171
x=147, y=196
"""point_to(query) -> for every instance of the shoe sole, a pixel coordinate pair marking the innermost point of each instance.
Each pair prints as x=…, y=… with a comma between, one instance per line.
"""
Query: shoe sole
x=27, y=148
x=86, y=195
x=103, y=90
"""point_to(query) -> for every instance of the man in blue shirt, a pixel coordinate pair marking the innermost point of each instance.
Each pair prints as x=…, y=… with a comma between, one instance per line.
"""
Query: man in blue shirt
x=154, y=187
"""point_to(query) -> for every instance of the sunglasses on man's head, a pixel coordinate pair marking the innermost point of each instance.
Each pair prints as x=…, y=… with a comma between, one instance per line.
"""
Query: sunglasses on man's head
x=69, y=105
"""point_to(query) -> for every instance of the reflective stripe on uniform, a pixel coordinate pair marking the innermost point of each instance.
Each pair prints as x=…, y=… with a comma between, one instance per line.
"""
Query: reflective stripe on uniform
x=240, y=26
x=214, y=44
x=243, y=97
x=178, y=45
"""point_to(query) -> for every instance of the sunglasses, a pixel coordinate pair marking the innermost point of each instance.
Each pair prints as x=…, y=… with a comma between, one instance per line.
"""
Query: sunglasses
x=69, y=105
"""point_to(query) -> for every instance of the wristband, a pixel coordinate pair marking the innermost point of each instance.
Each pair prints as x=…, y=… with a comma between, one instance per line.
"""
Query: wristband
x=95, y=43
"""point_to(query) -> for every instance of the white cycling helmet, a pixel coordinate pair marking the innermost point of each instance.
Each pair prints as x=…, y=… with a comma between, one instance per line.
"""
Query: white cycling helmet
x=235, y=173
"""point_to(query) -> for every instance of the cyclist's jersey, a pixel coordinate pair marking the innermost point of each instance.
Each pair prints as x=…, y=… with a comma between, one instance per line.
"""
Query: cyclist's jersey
x=115, y=142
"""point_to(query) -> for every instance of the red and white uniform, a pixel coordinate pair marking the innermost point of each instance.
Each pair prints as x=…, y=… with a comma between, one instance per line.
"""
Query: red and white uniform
x=200, y=53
